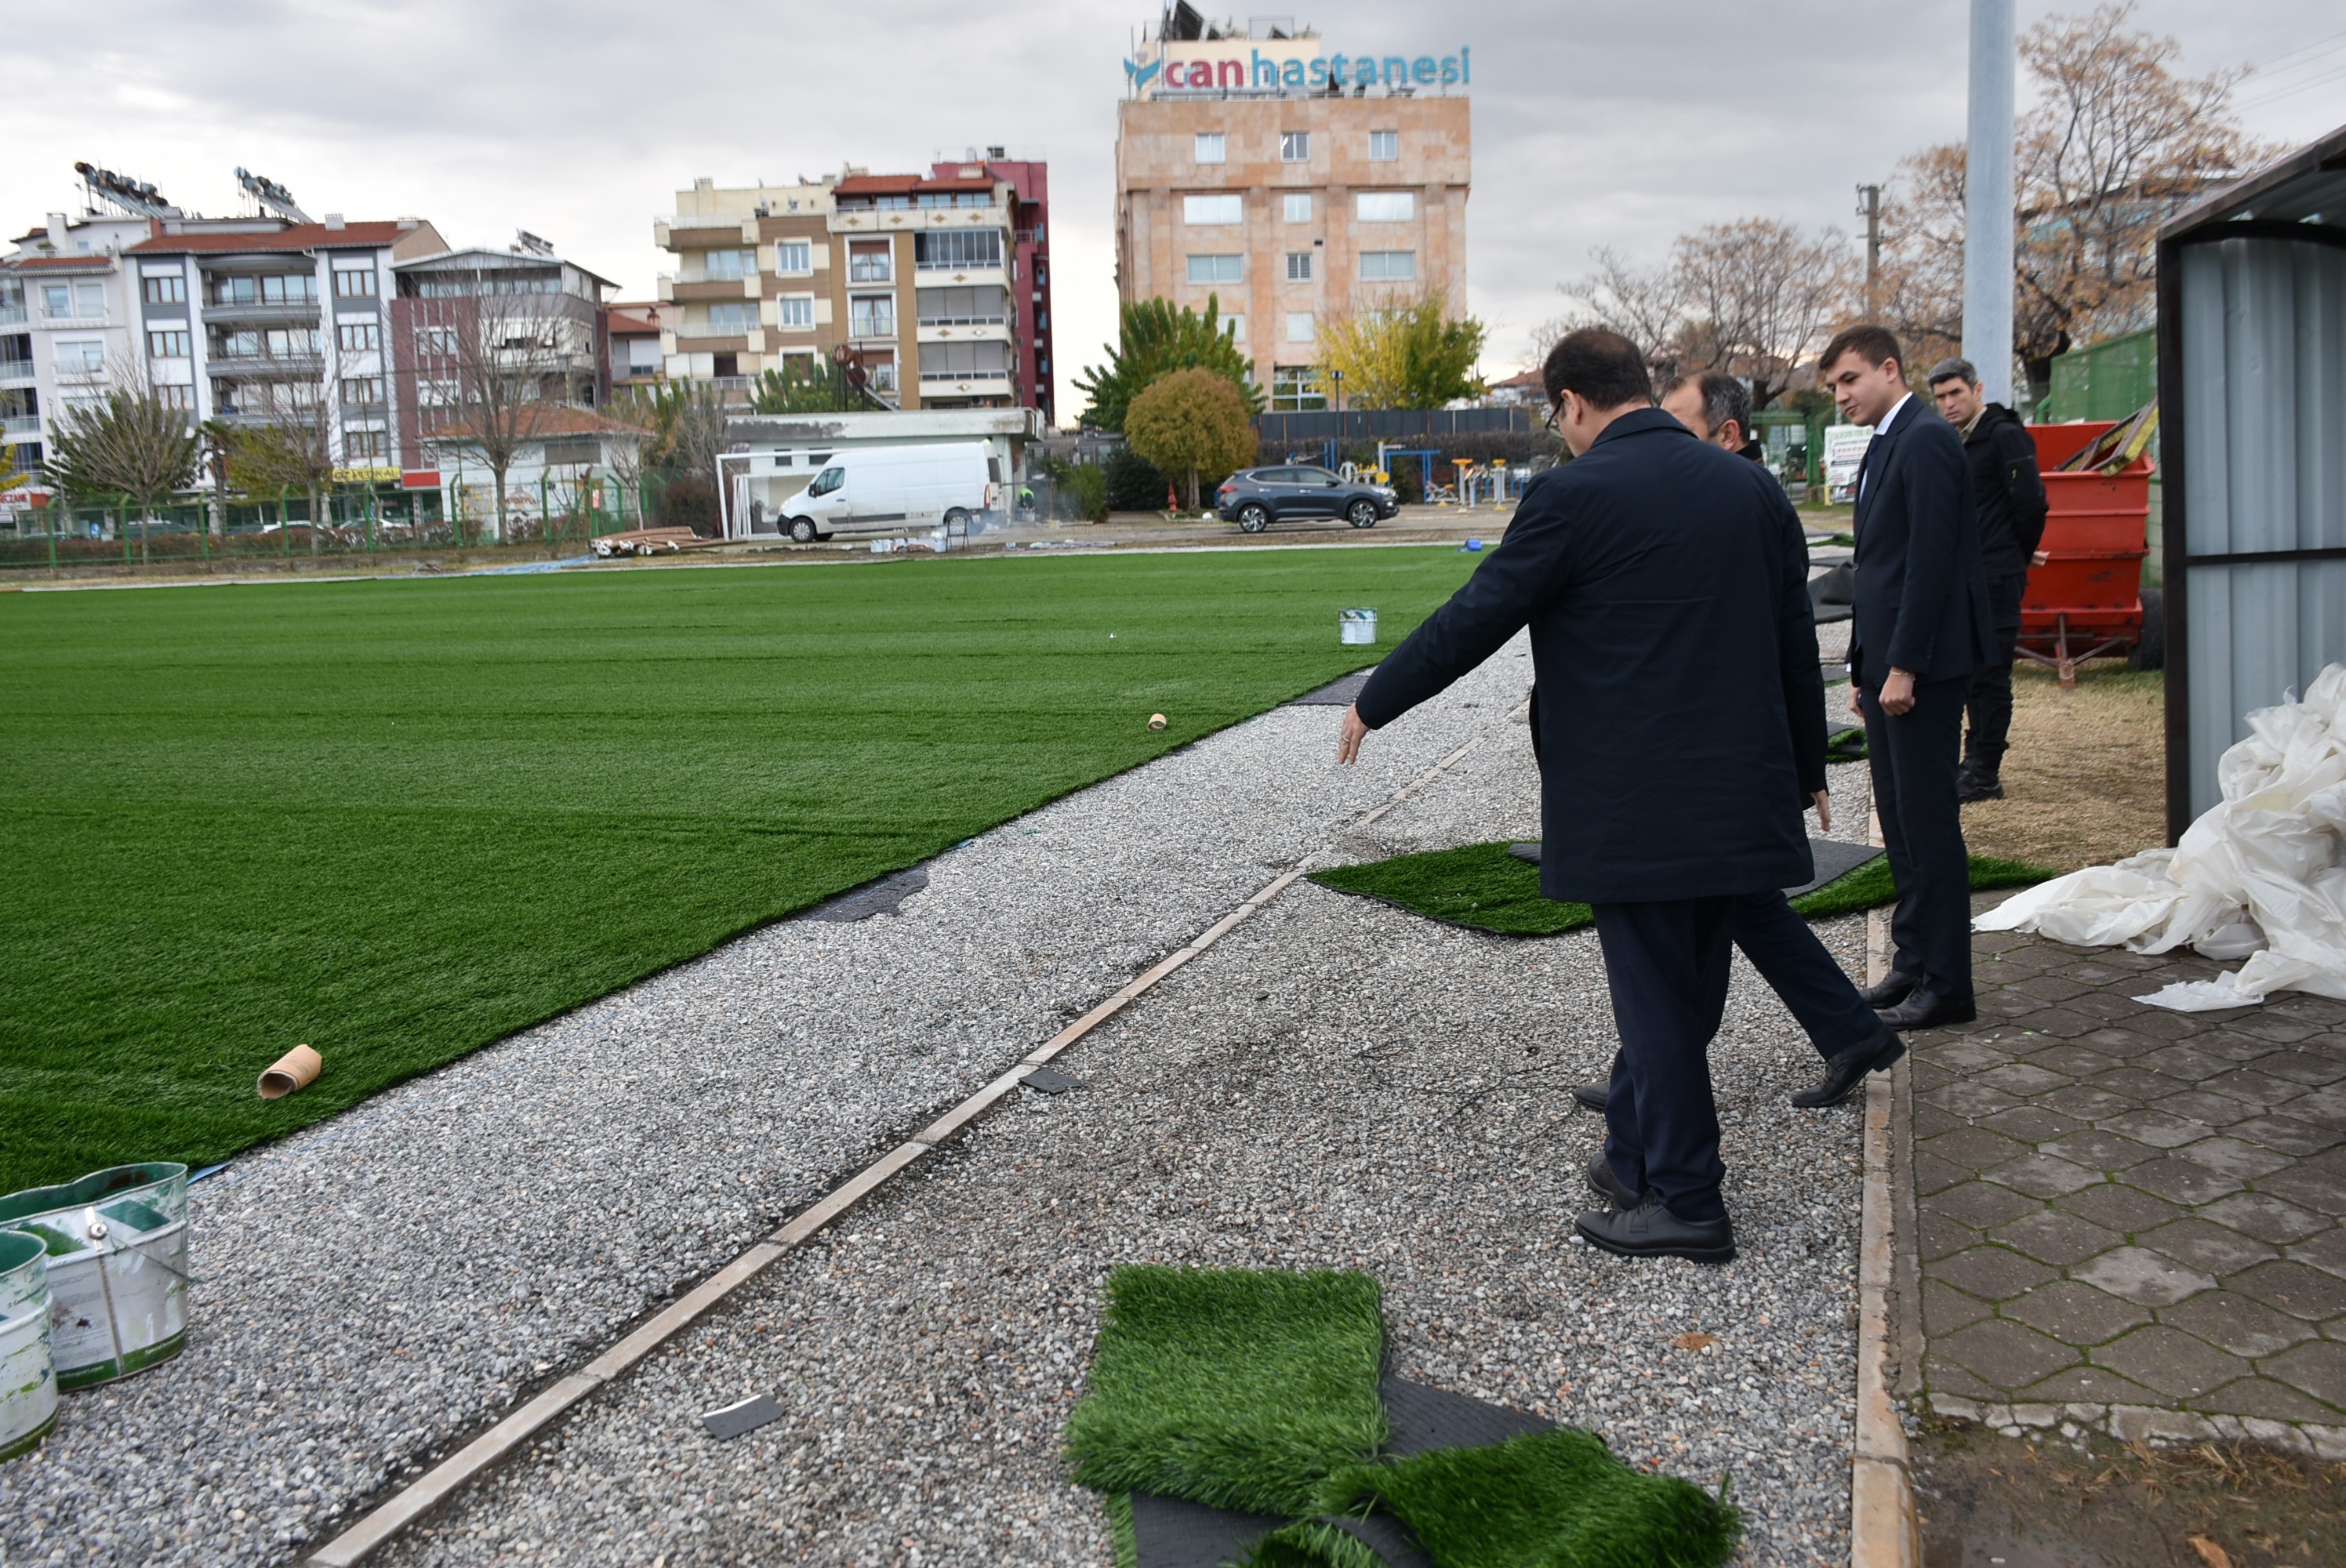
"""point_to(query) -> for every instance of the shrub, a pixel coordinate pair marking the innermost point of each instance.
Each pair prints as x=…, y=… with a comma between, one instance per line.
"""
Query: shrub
x=689, y=503
x=1133, y=483
x=1086, y=488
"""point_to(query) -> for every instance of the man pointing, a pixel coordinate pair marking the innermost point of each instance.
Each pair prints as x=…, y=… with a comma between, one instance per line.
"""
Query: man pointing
x=1681, y=706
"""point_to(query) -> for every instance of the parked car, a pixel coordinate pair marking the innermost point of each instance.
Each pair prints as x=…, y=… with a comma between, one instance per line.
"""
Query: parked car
x=1255, y=498
x=888, y=488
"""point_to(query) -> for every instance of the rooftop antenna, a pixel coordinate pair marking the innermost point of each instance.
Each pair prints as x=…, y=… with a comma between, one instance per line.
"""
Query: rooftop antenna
x=534, y=245
x=134, y=198
x=273, y=197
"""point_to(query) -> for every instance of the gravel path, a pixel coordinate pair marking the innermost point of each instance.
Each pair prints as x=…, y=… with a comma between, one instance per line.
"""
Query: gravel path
x=380, y=1285
x=1336, y=1084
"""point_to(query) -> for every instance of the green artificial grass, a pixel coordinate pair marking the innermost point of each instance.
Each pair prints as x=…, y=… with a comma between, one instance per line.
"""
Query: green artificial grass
x=398, y=820
x=1554, y=1500
x=1484, y=887
x=1235, y=1387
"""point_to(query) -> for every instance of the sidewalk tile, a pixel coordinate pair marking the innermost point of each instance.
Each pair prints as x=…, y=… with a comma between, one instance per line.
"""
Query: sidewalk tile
x=2181, y=1181
x=2265, y=1399
x=2235, y=1323
x=1943, y=1237
x=2025, y=1078
x=1968, y=1056
x=2293, y=1288
x=2204, y=1245
x=2100, y=1149
x=2048, y=987
x=2232, y=1157
x=2076, y=1061
x=2194, y=1064
x=1964, y=1098
x=2142, y=1276
x=2075, y=1313
x=2063, y=1024
x=2031, y=1124
x=2288, y=1135
x=2043, y=1176
x=2137, y=1081
x=2089, y=1103
x=2319, y=1367
x=1992, y=1272
x=2258, y=1091
x=2090, y=1384
x=2325, y=1251
x=2160, y=1127
x=2171, y=1361
x=1946, y=1308
x=2121, y=1209
x=2266, y=1217
x=1974, y=1148
x=1983, y=1204
x=2320, y=1191
x=1932, y=1174
x=2287, y=1031
x=2051, y=1237
x=2007, y=1355
x=2126, y=1044
x=2203, y=1109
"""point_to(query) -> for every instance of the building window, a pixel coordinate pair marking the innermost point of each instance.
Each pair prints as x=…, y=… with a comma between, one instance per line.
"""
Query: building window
x=1216, y=268
x=795, y=312
x=1384, y=147
x=1296, y=205
x=179, y=397
x=362, y=390
x=1388, y=265
x=1210, y=147
x=56, y=301
x=794, y=257
x=368, y=445
x=871, y=316
x=87, y=359
x=573, y=452
x=733, y=316
x=1295, y=147
x=883, y=375
x=168, y=345
x=1387, y=206
x=964, y=249
x=438, y=343
x=274, y=288
x=359, y=337
x=1299, y=326
x=165, y=288
x=731, y=264
x=1295, y=389
x=1201, y=211
x=1234, y=329
x=870, y=261
x=354, y=283
x=1298, y=266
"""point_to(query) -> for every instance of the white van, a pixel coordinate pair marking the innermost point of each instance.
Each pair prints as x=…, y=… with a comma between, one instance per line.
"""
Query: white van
x=891, y=489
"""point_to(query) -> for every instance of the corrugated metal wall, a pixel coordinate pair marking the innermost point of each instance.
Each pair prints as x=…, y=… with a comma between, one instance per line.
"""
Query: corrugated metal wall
x=2263, y=350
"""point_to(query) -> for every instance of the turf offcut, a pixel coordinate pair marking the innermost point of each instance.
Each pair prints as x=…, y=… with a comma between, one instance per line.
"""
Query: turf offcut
x=1484, y=887
x=398, y=820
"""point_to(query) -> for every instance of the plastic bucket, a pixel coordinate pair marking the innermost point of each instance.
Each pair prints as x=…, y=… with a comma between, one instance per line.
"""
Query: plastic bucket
x=116, y=1245
x=28, y=1384
x=1356, y=626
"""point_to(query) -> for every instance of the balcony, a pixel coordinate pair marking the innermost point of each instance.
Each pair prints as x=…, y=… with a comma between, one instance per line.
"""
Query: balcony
x=15, y=372
x=960, y=383
x=682, y=291
x=77, y=323
x=702, y=330
x=11, y=315
x=265, y=367
x=965, y=330
x=888, y=222
x=16, y=426
x=303, y=312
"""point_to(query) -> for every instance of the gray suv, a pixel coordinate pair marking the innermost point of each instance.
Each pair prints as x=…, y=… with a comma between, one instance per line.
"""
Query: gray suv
x=1254, y=498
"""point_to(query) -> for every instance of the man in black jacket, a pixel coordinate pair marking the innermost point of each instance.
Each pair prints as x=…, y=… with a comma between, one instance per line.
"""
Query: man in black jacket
x=1919, y=627
x=2010, y=495
x=1681, y=708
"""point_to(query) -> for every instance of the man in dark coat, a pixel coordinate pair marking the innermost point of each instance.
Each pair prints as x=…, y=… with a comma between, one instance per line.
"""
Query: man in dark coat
x=2010, y=495
x=1920, y=627
x=1680, y=711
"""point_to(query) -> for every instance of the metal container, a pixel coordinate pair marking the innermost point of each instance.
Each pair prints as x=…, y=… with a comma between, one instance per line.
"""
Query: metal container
x=28, y=1385
x=116, y=1245
x=1356, y=626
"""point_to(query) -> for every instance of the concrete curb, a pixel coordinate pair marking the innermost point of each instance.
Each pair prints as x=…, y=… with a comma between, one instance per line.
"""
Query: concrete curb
x=1883, y=1531
x=379, y=1524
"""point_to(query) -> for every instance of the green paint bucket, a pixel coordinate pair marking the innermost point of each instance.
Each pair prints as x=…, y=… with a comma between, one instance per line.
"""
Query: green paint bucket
x=117, y=1254
x=28, y=1385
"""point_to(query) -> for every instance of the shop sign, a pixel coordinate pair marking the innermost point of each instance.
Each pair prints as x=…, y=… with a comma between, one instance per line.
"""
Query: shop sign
x=420, y=479
x=1295, y=65
x=366, y=475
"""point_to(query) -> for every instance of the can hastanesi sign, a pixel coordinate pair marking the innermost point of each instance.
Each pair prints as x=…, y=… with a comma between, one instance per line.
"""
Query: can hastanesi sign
x=1226, y=65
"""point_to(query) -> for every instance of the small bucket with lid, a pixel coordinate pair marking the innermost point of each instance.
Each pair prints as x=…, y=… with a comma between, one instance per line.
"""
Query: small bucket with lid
x=116, y=1246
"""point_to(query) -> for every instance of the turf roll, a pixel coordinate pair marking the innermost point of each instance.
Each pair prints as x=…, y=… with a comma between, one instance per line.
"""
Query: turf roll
x=1235, y=1387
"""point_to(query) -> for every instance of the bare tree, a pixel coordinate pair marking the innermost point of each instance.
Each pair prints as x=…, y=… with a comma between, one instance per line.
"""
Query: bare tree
x=1758, y=297
x=283, y=439
x=487, y=363
x=1645, y=305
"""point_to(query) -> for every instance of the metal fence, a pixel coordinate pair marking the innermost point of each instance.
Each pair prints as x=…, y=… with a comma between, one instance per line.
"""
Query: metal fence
x=1278, y=429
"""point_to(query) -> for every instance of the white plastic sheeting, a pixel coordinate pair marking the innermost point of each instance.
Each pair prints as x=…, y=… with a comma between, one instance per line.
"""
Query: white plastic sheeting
x=2262, y=875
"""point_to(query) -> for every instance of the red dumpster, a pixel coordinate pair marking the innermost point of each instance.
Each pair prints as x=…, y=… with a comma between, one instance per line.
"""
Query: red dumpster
x=2085, y=599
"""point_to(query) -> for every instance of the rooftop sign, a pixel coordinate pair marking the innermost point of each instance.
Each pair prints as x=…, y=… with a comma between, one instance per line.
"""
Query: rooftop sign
x=1159, y=69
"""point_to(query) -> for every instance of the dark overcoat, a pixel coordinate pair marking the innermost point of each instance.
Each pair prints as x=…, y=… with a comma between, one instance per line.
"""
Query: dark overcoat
x=1921, y=586
x=1681, y=707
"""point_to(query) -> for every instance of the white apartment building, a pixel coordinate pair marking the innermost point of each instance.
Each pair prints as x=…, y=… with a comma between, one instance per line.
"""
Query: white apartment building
x=67, y=324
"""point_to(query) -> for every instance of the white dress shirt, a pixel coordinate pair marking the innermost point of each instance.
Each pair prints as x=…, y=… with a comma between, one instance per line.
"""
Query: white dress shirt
x=1882, y=430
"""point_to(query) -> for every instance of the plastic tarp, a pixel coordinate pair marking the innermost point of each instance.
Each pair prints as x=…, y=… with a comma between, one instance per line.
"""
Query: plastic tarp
x=2261, y=876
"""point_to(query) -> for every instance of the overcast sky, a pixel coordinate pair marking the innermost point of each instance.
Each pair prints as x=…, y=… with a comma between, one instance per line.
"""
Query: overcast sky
x=1617, y=125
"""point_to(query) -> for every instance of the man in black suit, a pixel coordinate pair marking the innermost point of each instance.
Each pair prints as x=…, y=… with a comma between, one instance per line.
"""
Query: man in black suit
x=1680, y=711
x=1920, y=628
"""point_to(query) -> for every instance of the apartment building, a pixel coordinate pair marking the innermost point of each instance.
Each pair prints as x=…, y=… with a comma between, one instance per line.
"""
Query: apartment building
x=479, y=328
x=933, y=287
x=1288, y=184
x=635, y=338
x=66, y=324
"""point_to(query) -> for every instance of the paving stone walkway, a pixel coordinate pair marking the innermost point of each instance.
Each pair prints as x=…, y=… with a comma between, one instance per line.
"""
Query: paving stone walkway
x=2124, y=1216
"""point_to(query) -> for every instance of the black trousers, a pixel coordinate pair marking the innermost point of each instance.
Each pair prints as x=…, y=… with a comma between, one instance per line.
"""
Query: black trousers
x=1666, y=964
x=1989, y=708
x=1914, y=758
x=1786, y=951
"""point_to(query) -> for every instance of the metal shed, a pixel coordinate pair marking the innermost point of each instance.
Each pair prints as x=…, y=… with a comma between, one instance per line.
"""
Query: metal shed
x=2253, y=409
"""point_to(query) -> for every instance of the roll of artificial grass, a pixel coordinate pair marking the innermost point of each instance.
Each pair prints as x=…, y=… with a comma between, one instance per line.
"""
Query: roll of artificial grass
x=1234, y=1388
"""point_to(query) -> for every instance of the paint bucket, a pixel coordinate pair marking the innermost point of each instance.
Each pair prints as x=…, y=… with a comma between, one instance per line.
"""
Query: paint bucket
x=116, y=1244
x=1355, y=627
x=28, y=1385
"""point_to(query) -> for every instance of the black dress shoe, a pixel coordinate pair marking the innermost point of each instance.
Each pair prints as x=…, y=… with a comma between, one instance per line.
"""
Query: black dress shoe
x=1593, y=1095
x=1927, y=1010
x=1845, y=1071
x=1606, y=1186
x=1651, y=1230
x=1977, y=784
x=1894, y=989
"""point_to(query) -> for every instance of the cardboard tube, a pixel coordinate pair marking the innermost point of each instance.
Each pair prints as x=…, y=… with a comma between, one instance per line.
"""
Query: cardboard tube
x=297, y=1069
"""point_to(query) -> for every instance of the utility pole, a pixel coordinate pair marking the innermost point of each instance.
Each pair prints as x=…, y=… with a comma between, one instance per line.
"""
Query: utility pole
x=1988, y=202
x=1869, y=207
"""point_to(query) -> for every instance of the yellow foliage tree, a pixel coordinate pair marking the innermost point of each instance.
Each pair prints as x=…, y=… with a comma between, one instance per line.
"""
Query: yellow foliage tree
x=1402, y=353
x=1191, y=422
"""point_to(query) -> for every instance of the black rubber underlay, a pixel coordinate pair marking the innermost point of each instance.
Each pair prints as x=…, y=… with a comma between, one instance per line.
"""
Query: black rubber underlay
x=1340, y=693
x=1834, y=858
x=1171, y=1533
x=871, y=899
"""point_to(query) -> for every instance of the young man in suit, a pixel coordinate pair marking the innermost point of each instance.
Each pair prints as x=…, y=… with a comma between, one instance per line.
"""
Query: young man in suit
x=1680, y=709
x=1921, y=627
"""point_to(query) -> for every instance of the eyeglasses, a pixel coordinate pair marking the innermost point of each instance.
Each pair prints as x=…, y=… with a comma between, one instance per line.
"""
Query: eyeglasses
x=1548, y=421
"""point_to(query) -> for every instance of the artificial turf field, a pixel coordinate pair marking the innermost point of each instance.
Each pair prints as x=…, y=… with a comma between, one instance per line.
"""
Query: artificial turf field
x=398, y=820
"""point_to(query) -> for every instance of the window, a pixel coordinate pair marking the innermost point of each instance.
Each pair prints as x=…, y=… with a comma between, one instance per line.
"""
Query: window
x=1234, y=329
x=883, y=375
x=1387, y=206
x=167, y=288
x=1298, y=266
x=89, y=301
x=1210, y=147
x=168, y=345
x=1296, y=205
x=871, y=316
x=1295, y=147
x=829, y=480
x=795, y=312
x=1295, y=389
x=794, y=256
x=573, y=452
x=359, y=337
x=87, y=359
x=178, y=397
x=870, y=261
x=362, y=390
x=733, y=264
x=1299, y=326
x=733, y=316
x=1199, y=211
x=1216, y=268
x=958, y=250
x=273, y=289
x=354, y=283
x=437, y=392
x=1388, y=265
x=1384, y=147
x=436, y=341
x=366, y=445
x=57, y=299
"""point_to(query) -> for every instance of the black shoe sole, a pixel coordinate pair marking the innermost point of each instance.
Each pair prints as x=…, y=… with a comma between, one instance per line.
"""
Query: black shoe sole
x=1942, y=1019
x=1886, y=1060
x=1974, y=797
x=1691, y=1254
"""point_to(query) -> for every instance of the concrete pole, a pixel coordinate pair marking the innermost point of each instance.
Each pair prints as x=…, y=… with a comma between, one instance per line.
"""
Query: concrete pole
x=1988, y=202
